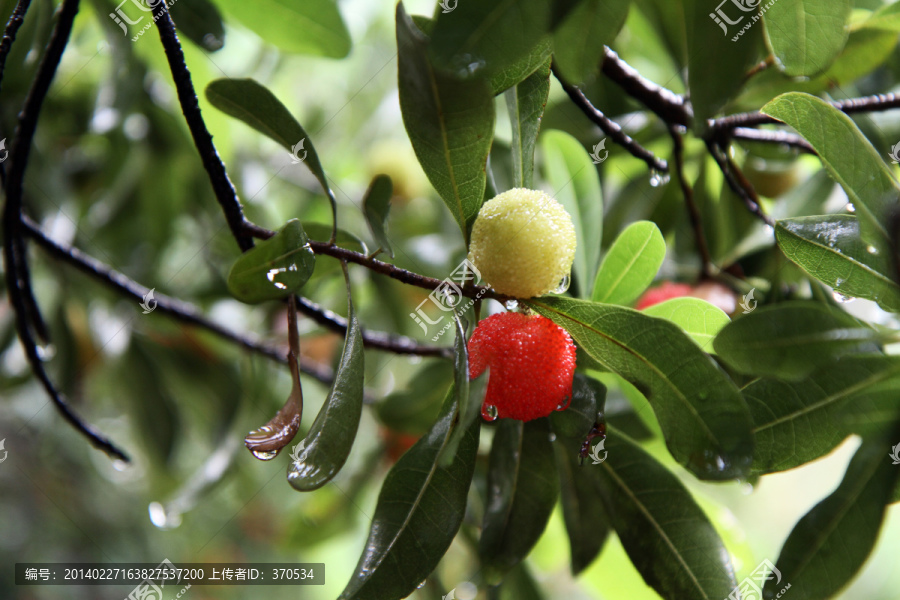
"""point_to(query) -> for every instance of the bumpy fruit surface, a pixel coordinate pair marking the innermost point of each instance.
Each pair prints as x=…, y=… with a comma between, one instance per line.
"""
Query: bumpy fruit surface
x=532, y=362
x=523, y=243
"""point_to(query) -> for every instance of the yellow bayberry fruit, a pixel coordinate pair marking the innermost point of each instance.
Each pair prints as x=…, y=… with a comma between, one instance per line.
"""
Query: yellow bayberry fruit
x=523, y=243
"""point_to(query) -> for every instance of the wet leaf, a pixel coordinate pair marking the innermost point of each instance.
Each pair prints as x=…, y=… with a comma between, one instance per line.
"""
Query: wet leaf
x=522, y=490
x=469, y=395
x=701, y=412
x=630, y=265
x=832, y=541
x=200, y=22
x=578, y=41
x=301, y=26
x=573, y=181
x=327, y=445
x=505, y=78
x=321, y=232
x=376, y=206
x=806, y=35
x=698, y=318
x=849, y=157
x=666, y=535
x=252, y=103
x=791, y=340
x=274, y=268
x=526, y=102
x=450, y=123
x=419, y=511
x=830, y=249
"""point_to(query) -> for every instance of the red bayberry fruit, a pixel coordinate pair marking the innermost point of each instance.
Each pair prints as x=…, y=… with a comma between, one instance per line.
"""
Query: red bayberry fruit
x=532, y=363
x=666, y=291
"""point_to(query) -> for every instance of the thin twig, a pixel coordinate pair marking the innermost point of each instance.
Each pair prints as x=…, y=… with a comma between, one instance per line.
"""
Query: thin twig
x=693, y=211
x=609, y=127
x=9, y=33
x=218, y=177
x=777, y=137
x=12, y=212
x=669, y=106
x=737, y=182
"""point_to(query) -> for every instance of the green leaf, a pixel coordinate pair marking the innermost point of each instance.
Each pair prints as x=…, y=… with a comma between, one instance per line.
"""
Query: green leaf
x=578, y=41
x=630, y=265
x=450, y=124
x=526, y=102
x=716, y=80
x=519, y=584
x=830, y=249
x=200, y=22
x=301, y=26
x=586, y=522
x=507, y=77
x=794, y=423
x=806, y=35
x=832, y=541
x=479, y=38
x=376, y=206
x=848, y=156
x=322, y=232
x=700, y=410
x=275, y=268
x=415, y=408
x=666, y=535
x=419, y=511
x=327, y=445
x=573, y=181
x=698, y=318
x=791, y=340
x=250, y=102
x=522, y=490
x=469, y=395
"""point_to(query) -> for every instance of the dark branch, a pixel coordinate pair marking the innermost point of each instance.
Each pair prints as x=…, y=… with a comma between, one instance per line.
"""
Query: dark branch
x=737, y=182
x=12, y=212
x=609, y=127
x=777, y=137
x=222, y=186
x=9, y=33
x=693, y=211
x=668, y=106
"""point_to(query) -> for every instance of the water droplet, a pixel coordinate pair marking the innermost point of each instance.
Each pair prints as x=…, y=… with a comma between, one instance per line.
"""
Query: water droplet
x=720, y=463
x=564, y=404
x=421, y=585
x=552, y=437
x=747, y=489
x=838, y=282
x=680, y=129
x=871, y=249
x=120, y=465
x=850, y=208
x=511, y=304
x=563, y=285
x=489, y=412
x=162, y=518
x=264, y=454
x=45, y=353
x=657, y=179
x=839, y=297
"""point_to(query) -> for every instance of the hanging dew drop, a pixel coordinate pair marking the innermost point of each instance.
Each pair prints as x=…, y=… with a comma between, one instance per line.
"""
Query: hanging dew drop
x=839, y=297
x=747, y=489
x=552, y=437
x=850, y=208
x=511, y=304
x=871, y=249
x=564, y=404
x=563, y=285
x=421, y=585
x=264, y=454
x=489, y=412
x=655, y=179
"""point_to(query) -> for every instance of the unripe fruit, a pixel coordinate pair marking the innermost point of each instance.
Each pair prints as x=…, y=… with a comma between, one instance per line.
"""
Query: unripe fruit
x=523, y=243
x=532, y=362
x=661, y=293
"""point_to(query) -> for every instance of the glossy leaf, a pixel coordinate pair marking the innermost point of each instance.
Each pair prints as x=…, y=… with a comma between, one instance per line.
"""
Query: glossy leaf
x=791, y=340
x=274, y=268
x=479, y=38
x=522, y=490
x=587, y=524
x=419, y=511
x=327, y=445
x=806, y=35
x=578, y=41
x=506, y=77
x=469, y=395
x=831, y=542
x=666, y=535
x=701, y=412
x=573, y=181
x=698, y=318
x=450, y=123
x=794, y=423
x=848, y=156
x=250, y=102
x=526, y=102
x=300, y=26
x=630, y=265
x=830, y=249
x=713, y=83
x=376, y=206
x=200, y=22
